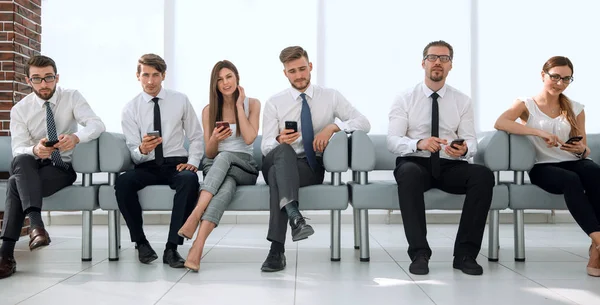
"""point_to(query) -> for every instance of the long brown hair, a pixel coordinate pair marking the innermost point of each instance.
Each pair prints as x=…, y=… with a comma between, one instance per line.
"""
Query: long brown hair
x=563, y=101
x=215, y=102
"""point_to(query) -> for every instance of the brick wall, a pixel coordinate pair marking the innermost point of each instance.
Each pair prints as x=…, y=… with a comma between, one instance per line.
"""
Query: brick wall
x=20, y=38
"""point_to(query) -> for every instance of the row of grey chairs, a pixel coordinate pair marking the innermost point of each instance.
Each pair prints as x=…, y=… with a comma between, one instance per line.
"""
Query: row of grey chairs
x=360, y=152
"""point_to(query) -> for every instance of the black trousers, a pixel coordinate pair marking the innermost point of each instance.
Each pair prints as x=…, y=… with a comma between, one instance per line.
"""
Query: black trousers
x=285, y=173
x=185, y=184
x=413, y=175
x=579, y=181
x=30, y=180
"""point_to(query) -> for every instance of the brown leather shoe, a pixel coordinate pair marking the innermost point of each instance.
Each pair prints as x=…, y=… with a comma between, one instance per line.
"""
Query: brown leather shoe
x=38, y=238
x=8, y=266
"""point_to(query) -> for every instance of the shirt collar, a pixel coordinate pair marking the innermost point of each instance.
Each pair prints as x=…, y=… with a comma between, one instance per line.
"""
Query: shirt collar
x=309, y=92
x=428, y=92
x=53, y=100
x=148, y=98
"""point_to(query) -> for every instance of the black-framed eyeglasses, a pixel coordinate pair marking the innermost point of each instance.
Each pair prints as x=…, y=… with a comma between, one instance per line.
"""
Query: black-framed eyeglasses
x=555, y=78
x=433, y=58
x=47, y=79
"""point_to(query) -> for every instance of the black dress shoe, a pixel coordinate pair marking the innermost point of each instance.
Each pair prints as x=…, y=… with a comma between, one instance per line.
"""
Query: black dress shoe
x=8, y=266
x=172, y=257
x=275, y=262
x=300, y=229
x=419, y=266
x=146, y=254
x=467, y=265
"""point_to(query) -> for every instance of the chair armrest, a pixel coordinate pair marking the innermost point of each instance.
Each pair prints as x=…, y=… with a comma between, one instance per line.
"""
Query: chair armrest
x=493, y=150
x=114, y=154
x=522, y=153
x=85, y=157
x=335, y=156
x=362, y=152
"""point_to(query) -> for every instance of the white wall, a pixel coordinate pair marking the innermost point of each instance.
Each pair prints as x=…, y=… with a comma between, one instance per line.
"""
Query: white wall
x=368, y=50
x=96, y=45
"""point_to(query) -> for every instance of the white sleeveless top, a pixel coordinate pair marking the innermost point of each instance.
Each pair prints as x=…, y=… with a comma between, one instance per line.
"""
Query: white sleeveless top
x=235, y=143
x=559, y=126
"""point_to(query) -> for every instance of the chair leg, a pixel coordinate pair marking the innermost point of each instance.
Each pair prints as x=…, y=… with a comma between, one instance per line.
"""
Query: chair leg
x=113, y=247
x=494, y=235
x=519, y=235
x=119, y=229
x=336, y=228
x=356, y=215
x=86, y=236
x=364, y=235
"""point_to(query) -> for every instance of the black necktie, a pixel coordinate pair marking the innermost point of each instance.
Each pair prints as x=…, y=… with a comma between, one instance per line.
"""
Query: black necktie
x=435, y=132
x=158, y=151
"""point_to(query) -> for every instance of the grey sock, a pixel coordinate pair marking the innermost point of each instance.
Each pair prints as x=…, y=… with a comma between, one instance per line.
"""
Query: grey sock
x=35, y=218
x=292, y=210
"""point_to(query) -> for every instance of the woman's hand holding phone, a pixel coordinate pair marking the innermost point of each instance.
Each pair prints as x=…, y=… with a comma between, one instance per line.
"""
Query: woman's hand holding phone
x=221, y=133
x=573, y=145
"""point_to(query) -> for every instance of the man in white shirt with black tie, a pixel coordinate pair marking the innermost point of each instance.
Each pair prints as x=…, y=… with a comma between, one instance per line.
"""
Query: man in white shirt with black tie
x=424, y=122
x=43, y=128
x=159, y=159
x=292, y=152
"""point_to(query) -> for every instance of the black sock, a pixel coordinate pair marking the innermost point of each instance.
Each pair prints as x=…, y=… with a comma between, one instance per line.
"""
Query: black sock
x=35, y=219
x=277, y=247
x=292, y=210
x=8, y=247
x=170, y=245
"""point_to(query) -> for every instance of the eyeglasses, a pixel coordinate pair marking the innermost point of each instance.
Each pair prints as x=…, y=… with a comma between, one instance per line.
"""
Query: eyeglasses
x=433, y=58
x=555, y=78
x=47, y=79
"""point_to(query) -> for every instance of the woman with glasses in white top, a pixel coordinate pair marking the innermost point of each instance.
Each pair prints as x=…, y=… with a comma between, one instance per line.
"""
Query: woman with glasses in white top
x=231, y=120
x=556, y=127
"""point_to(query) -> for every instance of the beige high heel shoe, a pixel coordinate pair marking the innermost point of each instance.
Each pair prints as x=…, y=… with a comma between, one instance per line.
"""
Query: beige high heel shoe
x=189, y=227
x=590, y=270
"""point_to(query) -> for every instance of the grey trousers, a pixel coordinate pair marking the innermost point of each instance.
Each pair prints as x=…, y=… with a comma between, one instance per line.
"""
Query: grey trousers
x=285, y=173
x=222, y=175
x=30, y=180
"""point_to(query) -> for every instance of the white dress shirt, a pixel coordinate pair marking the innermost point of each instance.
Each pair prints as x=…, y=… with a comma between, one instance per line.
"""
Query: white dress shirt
x=410, y=120
x=69, y=107
x=176, y=116
x=325, y=106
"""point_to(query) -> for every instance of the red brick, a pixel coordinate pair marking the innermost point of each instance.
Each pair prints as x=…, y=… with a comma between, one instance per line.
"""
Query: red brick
x=21, y=88
x=8, y=26
x=8, y=66
x=20, y=38
x=6, y=125
x=5, y=87
x=25, y=22
x=4, y=133
x=4, y=115
x=6, y=47
x=6, y=6
x=25, y=13
x=36, y=8
x=6, y=105
x=7, y=16
x=7, y=56
x=8, y=75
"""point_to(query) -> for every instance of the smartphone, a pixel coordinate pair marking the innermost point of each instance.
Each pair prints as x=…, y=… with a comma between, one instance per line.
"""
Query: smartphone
x=154, y=133
x=219, y=124
x=574, y=139
x=50, y=143
x=291, y=125
x=456, y=142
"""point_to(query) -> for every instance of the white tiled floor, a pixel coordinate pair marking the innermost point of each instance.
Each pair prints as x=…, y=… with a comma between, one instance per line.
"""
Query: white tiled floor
x=230, y=272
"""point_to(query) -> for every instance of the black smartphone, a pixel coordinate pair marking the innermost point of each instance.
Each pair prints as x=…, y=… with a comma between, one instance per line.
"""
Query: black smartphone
x=572, y=140
x=456, y=142
x=50, y=143
x=219, y=124
x=154, y=133
x=291, y=125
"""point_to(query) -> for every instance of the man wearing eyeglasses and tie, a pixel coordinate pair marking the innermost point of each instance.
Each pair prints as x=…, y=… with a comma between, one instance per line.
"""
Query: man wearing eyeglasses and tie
x=432, y=129
x=297, y=125
x=43, y=128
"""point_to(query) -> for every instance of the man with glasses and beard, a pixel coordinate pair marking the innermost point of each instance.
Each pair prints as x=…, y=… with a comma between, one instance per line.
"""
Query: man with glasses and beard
x=43, y=127
x=297, y=125
x=432, y=129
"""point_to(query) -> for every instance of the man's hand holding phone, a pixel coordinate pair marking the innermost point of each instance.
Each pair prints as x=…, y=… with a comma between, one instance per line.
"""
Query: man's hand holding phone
x=66, y=142
x=44, y=148
x=457, y=148
x=432, y=144
x=149, y=142
x=289, y=134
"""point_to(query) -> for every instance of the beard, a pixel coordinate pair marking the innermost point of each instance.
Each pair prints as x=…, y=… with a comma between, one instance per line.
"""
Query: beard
x=436, y=77
x=45, y=96
x=301, y=88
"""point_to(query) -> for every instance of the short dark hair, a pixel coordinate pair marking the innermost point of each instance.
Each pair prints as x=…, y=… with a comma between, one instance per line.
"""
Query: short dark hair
x=438, y=43
x=40, y=61
x=153, y=61
x=292, y=53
